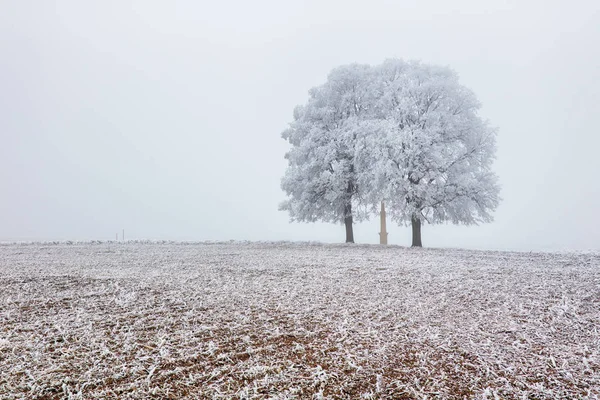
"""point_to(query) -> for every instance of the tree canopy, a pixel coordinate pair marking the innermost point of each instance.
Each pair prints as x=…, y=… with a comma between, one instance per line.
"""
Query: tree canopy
x=404, y=132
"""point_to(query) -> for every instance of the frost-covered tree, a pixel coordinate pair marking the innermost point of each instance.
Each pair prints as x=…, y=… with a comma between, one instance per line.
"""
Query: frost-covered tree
x=406, y=133
x=429, y=155
x=321, y=179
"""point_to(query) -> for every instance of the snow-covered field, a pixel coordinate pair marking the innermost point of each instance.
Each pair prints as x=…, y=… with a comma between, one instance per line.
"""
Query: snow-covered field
x=238, y=320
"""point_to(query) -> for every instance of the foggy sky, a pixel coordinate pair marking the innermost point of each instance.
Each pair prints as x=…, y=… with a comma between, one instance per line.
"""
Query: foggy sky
x=164, y=117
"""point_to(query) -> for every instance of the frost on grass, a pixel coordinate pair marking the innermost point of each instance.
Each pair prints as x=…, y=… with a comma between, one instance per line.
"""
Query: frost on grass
x=285, y=321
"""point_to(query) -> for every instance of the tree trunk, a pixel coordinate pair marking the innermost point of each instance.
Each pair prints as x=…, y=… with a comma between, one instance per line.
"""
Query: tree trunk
x=349, y=230
x=348, y=211
x=348, y=223
x=416, y=232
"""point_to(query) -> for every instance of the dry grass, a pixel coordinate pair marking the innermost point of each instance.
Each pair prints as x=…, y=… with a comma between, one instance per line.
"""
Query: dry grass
x=246, y=321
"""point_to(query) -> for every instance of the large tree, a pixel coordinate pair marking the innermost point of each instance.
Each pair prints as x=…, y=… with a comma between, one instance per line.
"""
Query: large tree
x=321, y=179
x=429, y=155
x=403, y=132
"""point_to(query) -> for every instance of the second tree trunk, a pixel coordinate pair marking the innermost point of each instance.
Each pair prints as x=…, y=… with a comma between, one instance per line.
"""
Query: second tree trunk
x=348, y=223
x=416, y=232
x=349, y=231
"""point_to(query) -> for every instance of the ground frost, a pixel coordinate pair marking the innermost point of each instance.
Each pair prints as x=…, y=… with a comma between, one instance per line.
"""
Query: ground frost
x=295, y=321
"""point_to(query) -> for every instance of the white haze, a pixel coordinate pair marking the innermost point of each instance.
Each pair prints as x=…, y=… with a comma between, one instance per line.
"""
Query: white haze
x=164, y=118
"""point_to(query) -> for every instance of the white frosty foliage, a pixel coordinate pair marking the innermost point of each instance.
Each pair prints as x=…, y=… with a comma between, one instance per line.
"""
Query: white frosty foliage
x=430, y=155
x=295, y=321
x=403, y=132
x=321, y=179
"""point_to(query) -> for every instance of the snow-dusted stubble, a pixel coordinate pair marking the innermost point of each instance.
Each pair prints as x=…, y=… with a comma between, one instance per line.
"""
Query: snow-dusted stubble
x=430, y=154
x=321, y=179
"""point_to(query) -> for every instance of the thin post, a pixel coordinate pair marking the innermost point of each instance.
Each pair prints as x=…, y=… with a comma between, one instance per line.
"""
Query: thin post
x=383, y=235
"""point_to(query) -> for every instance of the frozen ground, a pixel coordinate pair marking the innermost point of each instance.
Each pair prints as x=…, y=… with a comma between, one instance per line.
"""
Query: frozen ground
x=140, y=320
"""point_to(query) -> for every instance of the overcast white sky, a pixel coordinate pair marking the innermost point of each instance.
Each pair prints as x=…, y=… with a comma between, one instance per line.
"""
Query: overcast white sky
x=164, y=117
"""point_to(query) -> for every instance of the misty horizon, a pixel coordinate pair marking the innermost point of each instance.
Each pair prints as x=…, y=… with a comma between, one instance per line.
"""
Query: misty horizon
x=166, y=121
